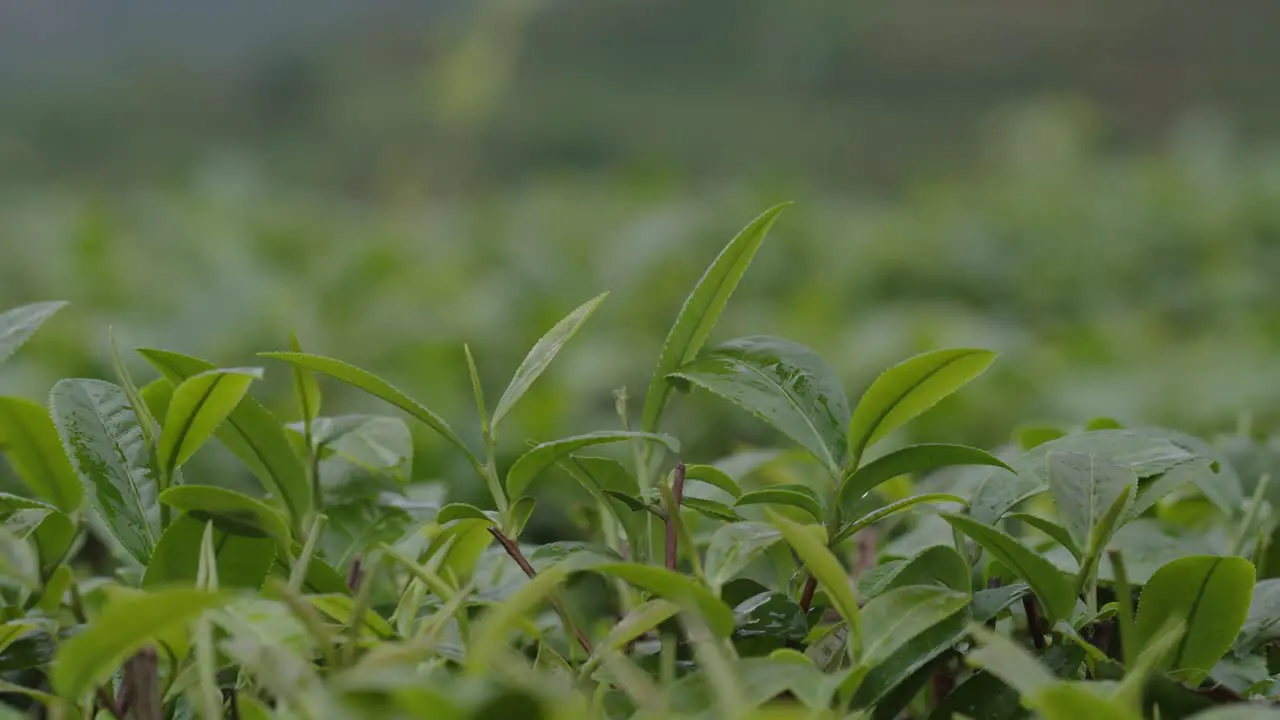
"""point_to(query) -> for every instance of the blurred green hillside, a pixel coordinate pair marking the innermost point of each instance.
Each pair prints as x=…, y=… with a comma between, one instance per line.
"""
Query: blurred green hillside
x=1090, y=190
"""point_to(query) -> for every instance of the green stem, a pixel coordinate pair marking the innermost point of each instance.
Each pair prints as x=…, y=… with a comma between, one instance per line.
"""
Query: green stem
x=1251, y=516
x=298, y=575
x=364, y=598
x=1124, y=598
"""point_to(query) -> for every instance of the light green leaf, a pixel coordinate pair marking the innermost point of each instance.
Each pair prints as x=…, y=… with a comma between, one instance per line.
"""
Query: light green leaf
x=674, y=586
x=461, y=511
x=521, y=510
x=540, y=457
x=230, y=511
x=710, y=509
x=14, y=630
x=734, y=547
x=909, y=388
x=1210, y=595
x=52, y=531
x=892, y=508
x=253, y=434
x=1055, y=531
x=899, y=615
x=713, y=476
x=1065, y=700
x=1262, y=623
x=784, y=384
x=937, y=565
x=197, y=408
x=639, y=621
x=795, y=495
x=30, y=441
x=1046, y=581
x=1085, y=487
x=541, y=356
x=376, y=443
x=100, y=433
x=376, y=386
x=342, y=608
x=19, y=324
x=910, y=460
x=702, y=310
x=143, y=412
x=242, y=562
x=305, y=388
x=126, y=625
x=19, y=563
x=489, y=639
x=911, y=643
x=809, y=543
x=1010, y=662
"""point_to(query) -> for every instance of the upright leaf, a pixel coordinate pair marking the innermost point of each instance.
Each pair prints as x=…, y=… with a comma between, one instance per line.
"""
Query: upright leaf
x=809, y=544
x=101, y=435
x=1010, y=662
x=229, y=511
x=253, y=434
x=541, y=356
x=1084, y=488
x=1046, y=581
x=1210, y=595
x=30, y=441
x=540, y=457
x=19, y=324
x=909, y=460
x=784, y=384
x=702, y=310
x=305, y=388
x=241, y=561
x=146, y=420
x=19, y=563
x=123, y=627
x=198, y=406
x=909, y=388
x=376, y=386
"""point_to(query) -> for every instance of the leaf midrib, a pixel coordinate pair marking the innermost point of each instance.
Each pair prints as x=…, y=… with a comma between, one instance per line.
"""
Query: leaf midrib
x=1193, y=611
x=874, y=427
x=189, y=421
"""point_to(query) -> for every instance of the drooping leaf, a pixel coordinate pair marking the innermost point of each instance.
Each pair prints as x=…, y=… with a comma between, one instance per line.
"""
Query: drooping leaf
x=795, y=495
x=123, y=627
x=713, y=476
x=909, y=388
x=541, y=356
x=253, y=434
x=734, y=547
x=376, y=386
x=784, y=384
x=242, y=561
x=1210, y=595
x=30, y=440
x=1048, y=583
x=1055, y=531
x=702, y=310
x=19, y=324
x=915, y=643
x=461, y=511
x=101, y=436
x=230, y=511
x=809, y=544
x=909, y=460
x=938, y=565
x=198, y=406
x=540, y=457
x=52, y=531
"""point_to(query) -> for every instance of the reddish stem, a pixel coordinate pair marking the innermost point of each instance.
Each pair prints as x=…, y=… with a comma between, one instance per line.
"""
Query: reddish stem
x=513, y=550
x=1033, y=621
x=673, y=516
x=806, y=598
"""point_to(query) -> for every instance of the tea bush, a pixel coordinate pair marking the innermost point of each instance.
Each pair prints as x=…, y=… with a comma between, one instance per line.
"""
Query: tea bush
x=1095, y=571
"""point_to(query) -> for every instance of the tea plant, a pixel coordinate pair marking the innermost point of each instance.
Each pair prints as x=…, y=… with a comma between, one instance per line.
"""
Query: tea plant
x=1100, y=571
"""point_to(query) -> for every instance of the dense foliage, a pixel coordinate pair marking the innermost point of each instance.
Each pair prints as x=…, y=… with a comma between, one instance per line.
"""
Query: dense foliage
x=1095, y=571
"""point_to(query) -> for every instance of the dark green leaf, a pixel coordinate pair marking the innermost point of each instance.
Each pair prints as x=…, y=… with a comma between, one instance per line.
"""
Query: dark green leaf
x=30, y=441
x=710, y=509
x=938, y=565
x=101, y=435
x=1055, y=531
x=809, y=543
x=901, y=614
x=1210, y=595
x=914, y=653
x=230, y=511
x=541, y=356
x=795, y=495
x=253, y=434
x=1046, y=581
x=19, y=324
x=242, y=561
x=701, y=310
x=988, y=604
x=879, y=514
x=784, y=384
x=539, y=458
x=910, y=460
x=1085, y=487
x=1262, y=624
x=910, y=388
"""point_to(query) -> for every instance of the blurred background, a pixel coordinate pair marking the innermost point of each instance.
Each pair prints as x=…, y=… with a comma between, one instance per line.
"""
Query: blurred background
x=1091, y=189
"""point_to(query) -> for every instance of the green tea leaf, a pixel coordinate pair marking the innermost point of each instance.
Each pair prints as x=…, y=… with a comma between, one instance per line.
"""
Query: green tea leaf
x=198, y=406
x=305, y=388
x=1055, y=531
x=1012, y=663
x=52, y=531
x=914, y=647
x=30, y=441
x=784, y=384
x=734, y=547
x=242, y=561
x=809, y=543
x=795, y=495
x=19, y=324
x=342, y=609
x=230, y=511
x=1065, y=700
x=124, y=626
x=541, y=356
x=100, y=434
x=530, y=465
x=461, y=511
x=710, y=509
x=909, y=388
x=714, y=477
x=19, y=563
x=253, y=434
x=493, y=628
x=1210, y=595
x=1085, y=487
x=938, y=565
x=376, y=386
x=1046, y=581
x=899, y=615
x=639, y=621
x=910, y=460
x=1262, y=623
x=521, y=511
x=678, y=588
x=892, y=508
x=702, y=310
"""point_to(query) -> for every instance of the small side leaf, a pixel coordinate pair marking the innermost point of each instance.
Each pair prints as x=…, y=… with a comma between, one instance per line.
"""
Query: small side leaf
x=714, y=477
x=229, y=511
x=30, y=440
x=19, y=324
x=197, y=408
x=795, y=495
x=539, y=458
x=909, y=460
x=1046, y=581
